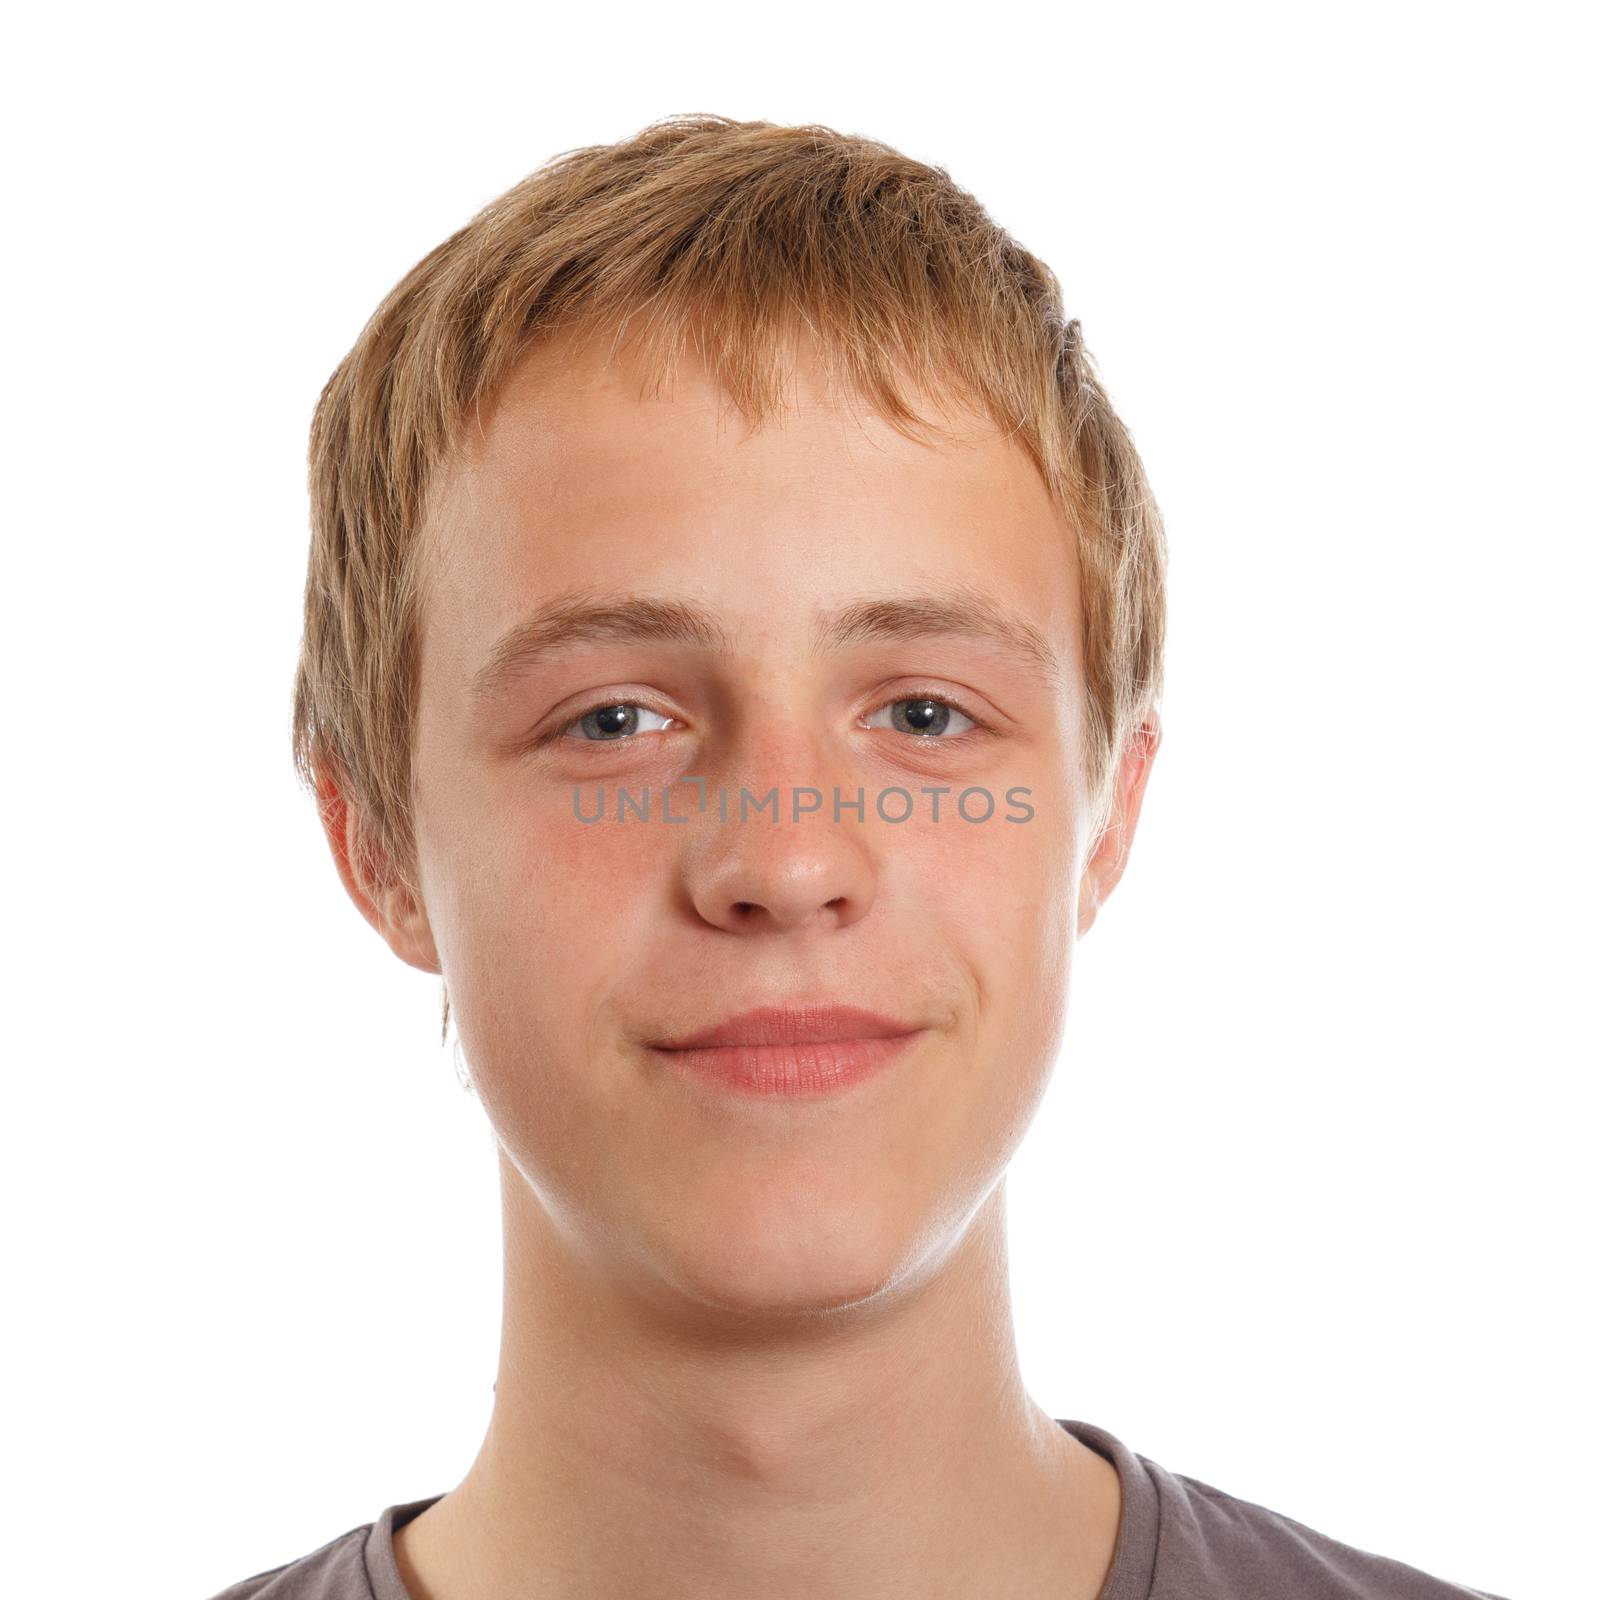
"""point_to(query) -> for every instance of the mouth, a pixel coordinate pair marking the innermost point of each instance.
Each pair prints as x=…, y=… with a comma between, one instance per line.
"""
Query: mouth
x=791, y=1051
x=811, y=1024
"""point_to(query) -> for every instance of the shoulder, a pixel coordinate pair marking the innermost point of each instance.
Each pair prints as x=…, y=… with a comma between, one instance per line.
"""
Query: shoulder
x=1211, y=1542
x=333, y=1571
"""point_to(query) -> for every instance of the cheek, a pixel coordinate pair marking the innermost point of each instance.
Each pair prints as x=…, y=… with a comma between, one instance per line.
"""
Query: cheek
x=551, y=920
x=521, y=852
x=544, y=913
x=1009, y=883
x=1003, y=898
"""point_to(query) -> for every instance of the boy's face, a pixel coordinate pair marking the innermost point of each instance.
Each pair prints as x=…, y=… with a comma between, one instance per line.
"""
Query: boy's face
x=570, y=947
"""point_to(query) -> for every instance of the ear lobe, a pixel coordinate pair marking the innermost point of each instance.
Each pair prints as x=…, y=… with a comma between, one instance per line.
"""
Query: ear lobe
x=1109, y=855
x=380, y=893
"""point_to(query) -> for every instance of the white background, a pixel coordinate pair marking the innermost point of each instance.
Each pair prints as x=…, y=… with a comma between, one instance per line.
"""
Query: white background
x=1307, y=1213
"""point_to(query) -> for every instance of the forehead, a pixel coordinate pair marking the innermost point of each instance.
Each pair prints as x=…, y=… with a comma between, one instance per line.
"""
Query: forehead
x=576, y=406
x=594, y=468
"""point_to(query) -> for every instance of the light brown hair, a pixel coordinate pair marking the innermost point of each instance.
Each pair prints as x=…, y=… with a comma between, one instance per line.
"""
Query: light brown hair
x=720, y=234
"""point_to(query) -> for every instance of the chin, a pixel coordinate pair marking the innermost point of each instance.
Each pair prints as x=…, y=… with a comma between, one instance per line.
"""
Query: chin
x=802, y=1263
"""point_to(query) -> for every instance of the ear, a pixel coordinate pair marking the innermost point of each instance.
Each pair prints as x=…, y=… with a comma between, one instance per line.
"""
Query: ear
x=1109, y=853
x=380, y=893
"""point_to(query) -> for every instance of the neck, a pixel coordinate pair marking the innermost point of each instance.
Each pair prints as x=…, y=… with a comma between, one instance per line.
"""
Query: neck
x=642, y=1443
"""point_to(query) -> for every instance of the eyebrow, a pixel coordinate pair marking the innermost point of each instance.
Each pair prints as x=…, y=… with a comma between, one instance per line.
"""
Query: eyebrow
x=956, y=610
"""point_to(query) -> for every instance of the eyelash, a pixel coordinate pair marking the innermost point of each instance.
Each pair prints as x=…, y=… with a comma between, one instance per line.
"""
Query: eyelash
x=979, y=725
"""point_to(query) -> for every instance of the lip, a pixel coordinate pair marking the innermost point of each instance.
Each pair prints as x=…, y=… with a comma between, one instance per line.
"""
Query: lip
x=796, y=1051
x=820, y=1023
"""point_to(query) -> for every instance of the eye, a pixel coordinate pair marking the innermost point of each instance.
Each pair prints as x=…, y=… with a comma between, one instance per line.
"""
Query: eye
x=612, y=724
x=924, y=716
x=921, y=716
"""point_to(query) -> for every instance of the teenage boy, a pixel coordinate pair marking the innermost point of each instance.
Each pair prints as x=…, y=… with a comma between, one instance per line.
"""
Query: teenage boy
x=733, y=640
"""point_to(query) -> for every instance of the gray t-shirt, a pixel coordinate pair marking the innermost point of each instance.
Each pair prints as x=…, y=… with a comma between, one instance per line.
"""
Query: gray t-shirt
x=1179, y=1539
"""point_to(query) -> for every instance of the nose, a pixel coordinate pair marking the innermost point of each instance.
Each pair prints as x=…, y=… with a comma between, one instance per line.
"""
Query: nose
x=759, y=872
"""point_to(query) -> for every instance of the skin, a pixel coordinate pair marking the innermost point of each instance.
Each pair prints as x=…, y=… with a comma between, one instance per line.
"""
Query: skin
x=751, y=1346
